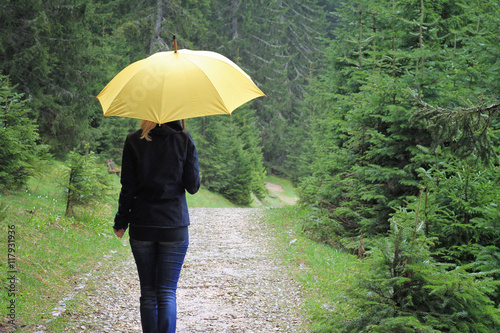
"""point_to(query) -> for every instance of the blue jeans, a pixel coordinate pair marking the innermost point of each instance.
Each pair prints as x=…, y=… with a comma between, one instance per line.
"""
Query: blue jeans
x=159, y=266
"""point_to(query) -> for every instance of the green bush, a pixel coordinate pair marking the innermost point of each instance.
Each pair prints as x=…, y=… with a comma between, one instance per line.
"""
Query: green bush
x=408, y=291
x=18, y=138
x=230, y=159
x=461, y=207
x=83, y=180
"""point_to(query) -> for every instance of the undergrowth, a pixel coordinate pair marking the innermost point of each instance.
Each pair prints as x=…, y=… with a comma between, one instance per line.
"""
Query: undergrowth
x=397, y=287
x=324, y=273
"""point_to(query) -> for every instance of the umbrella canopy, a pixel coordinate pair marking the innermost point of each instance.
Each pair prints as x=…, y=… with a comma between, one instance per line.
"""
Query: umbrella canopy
x=176, y=85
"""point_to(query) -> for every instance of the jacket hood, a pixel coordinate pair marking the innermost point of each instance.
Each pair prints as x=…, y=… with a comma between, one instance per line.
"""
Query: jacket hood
x=168, y=128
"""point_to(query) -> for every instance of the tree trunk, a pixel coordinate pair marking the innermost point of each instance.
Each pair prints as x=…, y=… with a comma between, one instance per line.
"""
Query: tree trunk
x=69, y=203
x=157, y=43
x=234, y=20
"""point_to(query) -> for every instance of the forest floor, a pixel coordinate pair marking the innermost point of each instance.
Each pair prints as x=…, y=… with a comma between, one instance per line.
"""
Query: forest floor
x=232, y=281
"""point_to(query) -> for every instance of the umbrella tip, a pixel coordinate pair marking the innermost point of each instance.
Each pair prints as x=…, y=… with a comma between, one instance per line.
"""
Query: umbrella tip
x=175, y=44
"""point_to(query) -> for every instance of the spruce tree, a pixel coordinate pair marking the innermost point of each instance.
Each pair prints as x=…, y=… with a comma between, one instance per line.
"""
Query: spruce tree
x=47, y=50
x=369, y=119
x=19, y=139
x=406, y=290
x=230, y=158
x=82, y=180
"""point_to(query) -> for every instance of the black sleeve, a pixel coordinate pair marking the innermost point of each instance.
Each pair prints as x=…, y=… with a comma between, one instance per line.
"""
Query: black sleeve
x=191, y=170
x=129, y=185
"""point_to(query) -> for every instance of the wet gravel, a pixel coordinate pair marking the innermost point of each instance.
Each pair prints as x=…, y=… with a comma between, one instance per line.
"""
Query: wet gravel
x=231, y=282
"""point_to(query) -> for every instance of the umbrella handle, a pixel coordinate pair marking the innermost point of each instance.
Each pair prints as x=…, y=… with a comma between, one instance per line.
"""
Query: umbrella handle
x=175, y=44
x=183, y=125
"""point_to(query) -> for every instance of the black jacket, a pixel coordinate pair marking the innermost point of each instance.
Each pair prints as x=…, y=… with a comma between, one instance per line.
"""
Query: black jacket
x=155, y=176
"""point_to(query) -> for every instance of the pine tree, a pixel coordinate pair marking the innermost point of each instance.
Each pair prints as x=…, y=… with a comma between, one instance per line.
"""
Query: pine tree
x=47, y=51
x=19, y=148
x=460, y=210
x=230, y=159
x=469, y=104
x=276, y=42
x=82, y=180
x=406, y=290
x=214, y=142
x=370, y=122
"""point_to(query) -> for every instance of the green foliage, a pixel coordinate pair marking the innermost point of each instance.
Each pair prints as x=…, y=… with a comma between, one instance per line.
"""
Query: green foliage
x=408, y=291
x=239, y=187
x=461, y=207
x=112, y=136
x=230, y=160
x=47, y=50
x=18, y=138
x=363, y=168
x=83, y=180
x=407, y=104
x=53, y=252
x=278, y=44
x=461, y=211
x=392, y=61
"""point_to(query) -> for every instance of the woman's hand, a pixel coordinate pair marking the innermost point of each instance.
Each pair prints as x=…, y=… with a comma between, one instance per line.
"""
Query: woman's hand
x=119, y=233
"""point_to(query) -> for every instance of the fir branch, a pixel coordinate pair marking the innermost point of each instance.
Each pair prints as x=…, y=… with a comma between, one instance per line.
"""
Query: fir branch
x=465, y=129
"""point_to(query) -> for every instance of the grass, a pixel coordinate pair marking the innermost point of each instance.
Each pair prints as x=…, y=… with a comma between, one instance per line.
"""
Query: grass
x=325, y=273
x=284, y=193
x=283, y=197
x=54, y=252
x=206, y=199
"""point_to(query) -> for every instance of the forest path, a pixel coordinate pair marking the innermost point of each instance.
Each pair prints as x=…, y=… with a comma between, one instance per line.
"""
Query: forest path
x=231, y=282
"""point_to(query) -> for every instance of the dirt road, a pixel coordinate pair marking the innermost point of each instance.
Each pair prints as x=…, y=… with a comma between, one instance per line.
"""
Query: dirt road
x=231, y=282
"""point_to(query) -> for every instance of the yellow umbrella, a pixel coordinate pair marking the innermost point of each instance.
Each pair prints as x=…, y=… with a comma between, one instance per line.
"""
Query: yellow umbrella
x=176, y=85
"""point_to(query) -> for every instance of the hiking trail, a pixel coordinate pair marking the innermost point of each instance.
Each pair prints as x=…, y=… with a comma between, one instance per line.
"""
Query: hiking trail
x=231, y=282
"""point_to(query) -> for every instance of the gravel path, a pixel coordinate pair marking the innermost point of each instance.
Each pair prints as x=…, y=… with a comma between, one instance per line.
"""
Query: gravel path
x=230, y=283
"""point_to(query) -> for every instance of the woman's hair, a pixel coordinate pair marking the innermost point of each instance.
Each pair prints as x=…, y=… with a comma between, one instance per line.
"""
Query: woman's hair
x=147, y=126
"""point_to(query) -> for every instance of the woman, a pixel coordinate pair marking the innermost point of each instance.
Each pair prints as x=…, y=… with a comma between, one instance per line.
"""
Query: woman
x=160, y=163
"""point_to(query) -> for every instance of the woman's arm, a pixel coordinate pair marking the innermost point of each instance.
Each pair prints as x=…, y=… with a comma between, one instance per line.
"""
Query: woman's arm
x=129, y=184
x=191, y=171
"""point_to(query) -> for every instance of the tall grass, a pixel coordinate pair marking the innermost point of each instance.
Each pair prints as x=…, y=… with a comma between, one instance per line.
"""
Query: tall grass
x=52, y=252
x=325, y=273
